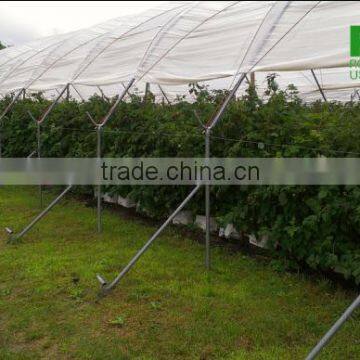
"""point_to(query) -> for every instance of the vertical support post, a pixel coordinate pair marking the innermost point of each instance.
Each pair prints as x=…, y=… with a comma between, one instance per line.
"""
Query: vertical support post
x=147, y=90
x=207, y=202
x=252, y=79
x=334, y=329
x=107, y=287
x=68, y=92
x=38, y=136
x=99, y=195
x=99, y=127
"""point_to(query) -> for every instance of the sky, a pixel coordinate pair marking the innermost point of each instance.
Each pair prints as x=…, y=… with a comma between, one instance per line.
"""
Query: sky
x=22, y=21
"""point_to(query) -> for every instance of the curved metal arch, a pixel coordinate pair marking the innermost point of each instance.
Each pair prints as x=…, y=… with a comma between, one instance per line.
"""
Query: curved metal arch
x=184, y=37
x=87, y=62
x=17, y=66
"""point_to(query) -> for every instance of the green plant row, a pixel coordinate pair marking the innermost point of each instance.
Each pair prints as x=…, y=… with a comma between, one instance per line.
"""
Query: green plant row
x=316, y=226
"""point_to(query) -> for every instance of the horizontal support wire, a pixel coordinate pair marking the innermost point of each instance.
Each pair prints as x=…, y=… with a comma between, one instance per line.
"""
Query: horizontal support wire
x=214, y=137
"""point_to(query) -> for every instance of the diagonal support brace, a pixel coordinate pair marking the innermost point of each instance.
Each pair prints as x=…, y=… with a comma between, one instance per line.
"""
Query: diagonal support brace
x=334, y=329
x=14, y=237
x=5, y=112
x=13, y=101
x=53, y=104
x=105, y=288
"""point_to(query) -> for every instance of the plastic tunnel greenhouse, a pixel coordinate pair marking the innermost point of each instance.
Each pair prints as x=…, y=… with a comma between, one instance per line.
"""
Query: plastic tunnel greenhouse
x=221, y=44
x=201, y=41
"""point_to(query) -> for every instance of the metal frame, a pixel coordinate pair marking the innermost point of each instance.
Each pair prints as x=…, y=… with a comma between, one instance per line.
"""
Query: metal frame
x=103, y=96
x=78, y=92
x=98, y=127
x=107, y=287
x=37, y=151
x=164, y=94
x=147, y=91
x=15, y=237
x=5, y=112
x=318, y=85
x=344, y=317
x=334, y=329
x=207, y=202
x=38, y=128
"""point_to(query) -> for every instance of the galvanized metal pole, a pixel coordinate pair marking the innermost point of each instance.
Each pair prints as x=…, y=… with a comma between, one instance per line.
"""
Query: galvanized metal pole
x=118, y=100
x=106, y=288
x=99, y=195
x=208, y=128
x=40, y=216
x=78, y=92
x=147, y=91
x=334, y=329
x=164, y=95
x=68, y=93
x=99, y=127
x=207, y=202
x=38, y=151
x=221, y=111
x=12, y=103
x=4, y=113
x=318, y=85
x=53, y=104
x=38, y=135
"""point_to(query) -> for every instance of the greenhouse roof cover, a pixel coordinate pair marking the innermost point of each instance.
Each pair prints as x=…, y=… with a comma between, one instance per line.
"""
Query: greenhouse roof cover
x=184, y=42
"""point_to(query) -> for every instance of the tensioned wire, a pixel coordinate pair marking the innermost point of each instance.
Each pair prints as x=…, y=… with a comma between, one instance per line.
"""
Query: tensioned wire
x=223, y=138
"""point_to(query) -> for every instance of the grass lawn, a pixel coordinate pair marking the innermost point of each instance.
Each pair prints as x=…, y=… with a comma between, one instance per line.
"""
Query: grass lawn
x=167, y=307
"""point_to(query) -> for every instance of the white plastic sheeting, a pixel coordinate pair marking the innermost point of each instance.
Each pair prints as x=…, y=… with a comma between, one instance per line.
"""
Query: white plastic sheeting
x=182, y=42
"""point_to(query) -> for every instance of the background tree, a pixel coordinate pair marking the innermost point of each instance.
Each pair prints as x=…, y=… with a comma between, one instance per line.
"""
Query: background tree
x=2, y=46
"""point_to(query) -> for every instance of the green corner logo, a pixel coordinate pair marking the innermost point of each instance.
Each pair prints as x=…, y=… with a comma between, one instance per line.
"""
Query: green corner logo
x=354, y=40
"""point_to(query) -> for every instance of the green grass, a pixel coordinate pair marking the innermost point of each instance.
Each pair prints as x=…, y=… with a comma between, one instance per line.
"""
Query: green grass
x=167, y=307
